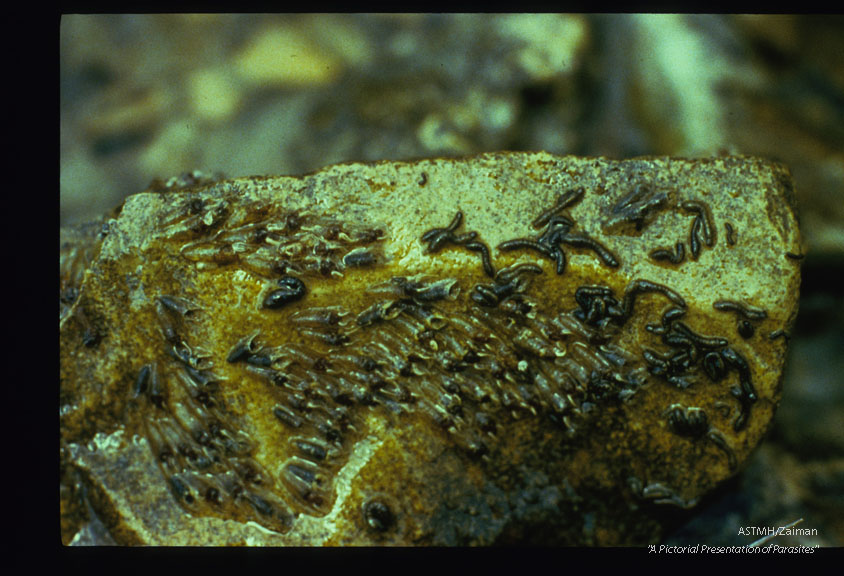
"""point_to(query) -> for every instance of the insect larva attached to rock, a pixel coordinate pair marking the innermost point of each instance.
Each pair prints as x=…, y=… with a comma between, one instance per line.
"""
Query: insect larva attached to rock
x=731, y=234
x=284, y=415
x=703, y=220
x=638, y=205
x=718, y=439
x=244, y=348
x=380, y=311
x=310, y=448
x=378, y=516
x=142, y=381
x=359, y=258
x=290, y=290
x=177, y=305
x=749, y=312
x=181, y=491
x=675, y=257
x=424, y=291
x=568, y=198
x=323, y=316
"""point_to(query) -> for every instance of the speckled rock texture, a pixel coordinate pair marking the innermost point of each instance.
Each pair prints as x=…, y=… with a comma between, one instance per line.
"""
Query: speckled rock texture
x=507, y=348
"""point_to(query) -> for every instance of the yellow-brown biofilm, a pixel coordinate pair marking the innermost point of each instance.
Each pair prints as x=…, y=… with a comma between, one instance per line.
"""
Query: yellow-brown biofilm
x=437, y=352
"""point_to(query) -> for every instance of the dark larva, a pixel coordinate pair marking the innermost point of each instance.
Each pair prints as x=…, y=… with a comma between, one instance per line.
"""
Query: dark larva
x=583, y=241
x=694, y=239
x=181, y=491
x=718, y=439
x=637, y=205
x=311, y=449
x=378, y=516
x=731, y=234
x=438, y=237
x=142, y=381
x=243, y=349
x=640, y=286
x=689, y=422
x=155, y=391
x=176, y=305
x=359, y=258
x=749, y=312
x=704, y=217
x=675, y=257
x=287, y=417
x=290, y=290
x=779, y=334
x=476, y=246
x=261, y=505
x=564, y=200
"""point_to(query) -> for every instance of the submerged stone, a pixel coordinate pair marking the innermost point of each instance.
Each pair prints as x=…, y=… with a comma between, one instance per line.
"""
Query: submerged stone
x=514, y=347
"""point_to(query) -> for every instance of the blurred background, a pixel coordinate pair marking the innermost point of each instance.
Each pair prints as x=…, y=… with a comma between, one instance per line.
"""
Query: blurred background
x=149, y=97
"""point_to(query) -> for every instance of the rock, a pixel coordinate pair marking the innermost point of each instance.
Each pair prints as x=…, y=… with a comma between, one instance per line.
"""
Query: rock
x=506, y=348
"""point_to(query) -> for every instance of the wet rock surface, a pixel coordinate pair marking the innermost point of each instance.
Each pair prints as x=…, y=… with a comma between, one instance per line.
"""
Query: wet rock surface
x=501, y=349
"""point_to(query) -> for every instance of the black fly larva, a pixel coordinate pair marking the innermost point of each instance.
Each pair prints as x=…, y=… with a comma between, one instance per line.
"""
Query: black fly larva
x=688, y=422
x=779, y=334
x=714, y=366
x=378, y=516
x=718, y=439
x=290, y=290
x=598, y=306
x=439, y=237
x=243, y=349
x=564, y=200
x=694, y=424
x=311, y=449
x=359, y=258
x=747, y=315
x=749, y=312
x=508, y=282
x=142, y=381
x=154, y=389
x=262, y=506
x=181, y=490
x=556, y=255
x=675, y=257
x=745, y=393
x=661, y=494
x=731, y=234
x=701, y=225
x=557, y=234
x=284, y=415
x=640, y=286
x=477, y=246
x=177, y=305
x=704, y=216
x=423, y=291
x=584, y=241
x=694, y=238
x=638, y=205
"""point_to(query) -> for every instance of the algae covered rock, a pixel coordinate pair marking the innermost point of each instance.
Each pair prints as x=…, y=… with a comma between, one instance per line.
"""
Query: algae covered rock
x=514, y=347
